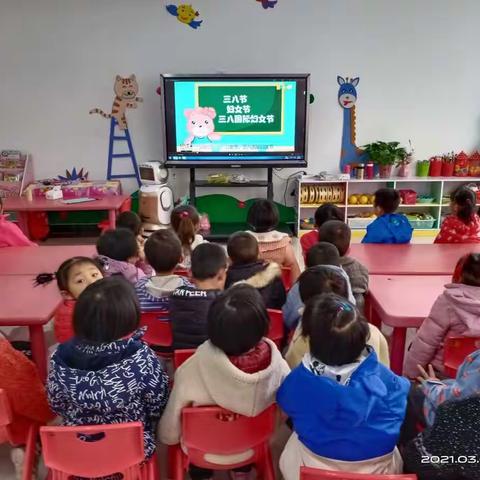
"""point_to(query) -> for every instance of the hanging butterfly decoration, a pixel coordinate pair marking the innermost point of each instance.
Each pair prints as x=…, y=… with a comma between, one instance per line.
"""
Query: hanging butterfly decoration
x=74, y=176
x=268, y=3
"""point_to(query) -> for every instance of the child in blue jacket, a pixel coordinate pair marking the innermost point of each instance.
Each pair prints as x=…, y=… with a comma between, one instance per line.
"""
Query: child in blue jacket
x=346, y=407
x=389, y=227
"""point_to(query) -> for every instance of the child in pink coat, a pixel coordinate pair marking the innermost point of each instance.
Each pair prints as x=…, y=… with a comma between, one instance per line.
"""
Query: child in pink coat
x=10, y=234
x=456, y=312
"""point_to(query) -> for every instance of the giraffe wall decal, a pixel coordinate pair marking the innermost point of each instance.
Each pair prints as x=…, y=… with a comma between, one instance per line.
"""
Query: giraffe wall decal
x=347, y=97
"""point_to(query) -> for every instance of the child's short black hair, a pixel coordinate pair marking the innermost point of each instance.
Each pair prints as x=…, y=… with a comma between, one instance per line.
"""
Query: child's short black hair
x=326, y=212
x=263, y=216
x=130, y=221
x=106, y=310
x=471, y=270
x=63, y=273
x=163, y=250
x=337, y=334
x=338, y=233
x=388, y=199
x=322, y=253
x=119, y=244
x=465, y=199
x=237, y=320
x=207, y=260
x=321, y=279
x=242, y=248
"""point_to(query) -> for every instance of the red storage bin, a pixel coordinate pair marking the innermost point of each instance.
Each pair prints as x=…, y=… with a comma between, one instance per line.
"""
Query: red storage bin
x=461, y=165
x=409, y=197
x=435, y=167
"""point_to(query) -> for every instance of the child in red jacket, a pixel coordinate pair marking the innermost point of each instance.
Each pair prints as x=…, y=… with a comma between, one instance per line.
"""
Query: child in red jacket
x=463, y=226
x=73, y=277
x=10, y=234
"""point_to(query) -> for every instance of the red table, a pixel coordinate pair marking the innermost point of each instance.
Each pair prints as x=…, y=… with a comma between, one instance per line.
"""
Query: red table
x=403, y=302
x=411, y=259
x=23, y=206
x=34, y=260
x=22, y=304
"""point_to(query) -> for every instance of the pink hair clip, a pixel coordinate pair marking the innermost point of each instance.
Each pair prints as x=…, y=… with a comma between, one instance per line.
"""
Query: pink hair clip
x=184, y=214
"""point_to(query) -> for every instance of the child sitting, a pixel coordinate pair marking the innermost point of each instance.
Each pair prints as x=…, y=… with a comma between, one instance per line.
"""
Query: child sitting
x=73, y=277
x=189, y=305
x=339, y=234
x=346, y=407
x=185, y=222
x=106, y=374
x=388, y=227
x=26, y=394
x=163, y=252
x=119, y=254
x=463, y=226
x=456, y=312
x=237, y=368
x=322, y=253
x=274, y=246
x=10, y=234
x=131, y=221
x=242, y=248
x=324, y=213
x=323, y=279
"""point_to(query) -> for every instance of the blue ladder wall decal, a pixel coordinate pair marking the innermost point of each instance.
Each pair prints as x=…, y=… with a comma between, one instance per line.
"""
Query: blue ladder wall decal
x=131, y=154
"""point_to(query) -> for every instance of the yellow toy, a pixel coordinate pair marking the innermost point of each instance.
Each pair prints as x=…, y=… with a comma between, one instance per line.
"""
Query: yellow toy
x=186, y=14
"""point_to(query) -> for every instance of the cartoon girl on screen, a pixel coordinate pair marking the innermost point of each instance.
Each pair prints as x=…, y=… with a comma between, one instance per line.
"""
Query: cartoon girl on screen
x=200, y=124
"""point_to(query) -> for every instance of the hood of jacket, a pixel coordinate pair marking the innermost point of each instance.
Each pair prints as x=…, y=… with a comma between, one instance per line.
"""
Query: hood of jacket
x=118, y=267
x=464, y=301
x=163, y=286
x=231, y=388
x=261, y=274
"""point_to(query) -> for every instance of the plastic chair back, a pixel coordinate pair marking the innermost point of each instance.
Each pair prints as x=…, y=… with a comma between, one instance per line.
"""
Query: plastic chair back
x=276, y=331
x=214, y=430
x=183, y=272
x=455, y=351
x=180, y=356
x=308, y=473
x=287, y=278
x=94, y=451
x=159, y=330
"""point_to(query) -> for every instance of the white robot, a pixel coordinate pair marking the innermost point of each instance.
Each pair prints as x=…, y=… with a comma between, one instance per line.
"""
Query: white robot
x=156, y=197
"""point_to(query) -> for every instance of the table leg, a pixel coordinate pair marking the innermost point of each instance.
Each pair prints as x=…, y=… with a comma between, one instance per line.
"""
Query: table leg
x=112, y=217
x=23, y=223
x=398, y=349
x=39, y=354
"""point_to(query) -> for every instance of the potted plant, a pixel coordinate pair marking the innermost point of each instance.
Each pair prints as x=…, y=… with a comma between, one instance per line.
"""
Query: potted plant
x=385, y=155
x=448, y=163
x=403, y=164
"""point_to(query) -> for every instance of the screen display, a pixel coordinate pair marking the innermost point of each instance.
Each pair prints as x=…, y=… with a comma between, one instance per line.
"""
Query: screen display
x=235, y=120
x=146, y=173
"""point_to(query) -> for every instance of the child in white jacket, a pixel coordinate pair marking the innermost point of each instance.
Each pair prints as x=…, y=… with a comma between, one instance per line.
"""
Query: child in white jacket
x=237, y=369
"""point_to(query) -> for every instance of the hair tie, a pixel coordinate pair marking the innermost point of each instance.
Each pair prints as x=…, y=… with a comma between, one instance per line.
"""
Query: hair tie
x=344, y=307
x=184, y=214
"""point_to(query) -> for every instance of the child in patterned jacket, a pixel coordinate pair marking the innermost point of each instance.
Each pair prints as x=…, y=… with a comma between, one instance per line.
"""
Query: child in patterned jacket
x=106, y=373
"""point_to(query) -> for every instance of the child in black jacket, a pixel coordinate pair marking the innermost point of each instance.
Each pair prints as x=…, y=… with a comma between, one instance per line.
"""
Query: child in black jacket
x=246, y=267
x=189, y=305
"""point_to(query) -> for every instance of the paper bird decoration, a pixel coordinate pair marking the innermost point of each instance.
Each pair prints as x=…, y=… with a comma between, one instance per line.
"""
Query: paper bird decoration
x=185, y=14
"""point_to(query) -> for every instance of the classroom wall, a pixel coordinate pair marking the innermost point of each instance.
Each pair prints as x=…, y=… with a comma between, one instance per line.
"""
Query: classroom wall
x=416, y=61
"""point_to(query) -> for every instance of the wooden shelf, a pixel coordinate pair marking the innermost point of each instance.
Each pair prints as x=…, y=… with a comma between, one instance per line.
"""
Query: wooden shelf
x=316, y=205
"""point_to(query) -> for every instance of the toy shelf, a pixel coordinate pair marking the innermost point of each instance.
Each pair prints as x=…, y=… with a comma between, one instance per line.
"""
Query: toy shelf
x=15, y=173
x=313, y=192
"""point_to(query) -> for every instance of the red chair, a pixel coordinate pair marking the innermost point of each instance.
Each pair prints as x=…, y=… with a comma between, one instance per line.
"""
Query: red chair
x=183, y=272
x=307, y=473
x=159, y=332
x=287, y=278
x=277, y=329
x=96, y=451
x=180, y=356
x=455, y=351
x=18, y=433
x=215, y=431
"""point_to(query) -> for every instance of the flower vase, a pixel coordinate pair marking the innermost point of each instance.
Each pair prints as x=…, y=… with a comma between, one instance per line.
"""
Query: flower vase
x=385, y=171
x=404, y=170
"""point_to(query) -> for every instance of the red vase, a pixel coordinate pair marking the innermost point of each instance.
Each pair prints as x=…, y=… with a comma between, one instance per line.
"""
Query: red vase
x=447, y=169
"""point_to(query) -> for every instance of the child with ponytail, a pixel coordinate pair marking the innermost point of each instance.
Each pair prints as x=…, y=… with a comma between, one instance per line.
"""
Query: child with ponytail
x=73, y=277
x=185, y=222
x=463, y=226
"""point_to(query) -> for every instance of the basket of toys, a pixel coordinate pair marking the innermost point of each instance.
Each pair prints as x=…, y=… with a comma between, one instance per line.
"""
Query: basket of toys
x=421, y=220
x=361, y=220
